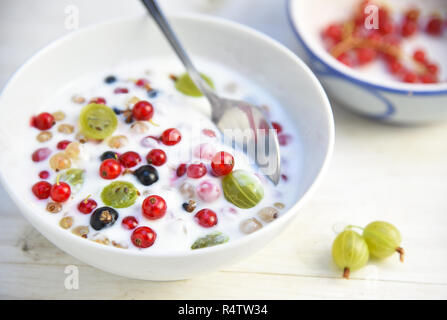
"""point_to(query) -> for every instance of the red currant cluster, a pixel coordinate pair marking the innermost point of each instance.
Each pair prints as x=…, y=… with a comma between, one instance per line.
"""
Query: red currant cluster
x=354, y=45
x=59, y=192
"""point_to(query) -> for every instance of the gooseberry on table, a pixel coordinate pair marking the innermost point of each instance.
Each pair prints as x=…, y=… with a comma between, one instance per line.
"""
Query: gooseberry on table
x=383, y=240
x=350, y=251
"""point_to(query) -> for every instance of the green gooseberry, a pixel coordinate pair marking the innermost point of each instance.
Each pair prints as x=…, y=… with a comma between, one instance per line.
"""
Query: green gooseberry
x=242, y=189
x=119, y=194
x=185, y=85
x=350, y=251
x=97, y=121
x=74, y=177
x=383, y=240
x=210, y=240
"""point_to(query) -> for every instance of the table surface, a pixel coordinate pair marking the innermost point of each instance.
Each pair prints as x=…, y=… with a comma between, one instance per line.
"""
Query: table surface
x=378, y=172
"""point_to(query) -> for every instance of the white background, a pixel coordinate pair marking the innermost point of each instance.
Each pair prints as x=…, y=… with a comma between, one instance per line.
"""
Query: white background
x=378, y=171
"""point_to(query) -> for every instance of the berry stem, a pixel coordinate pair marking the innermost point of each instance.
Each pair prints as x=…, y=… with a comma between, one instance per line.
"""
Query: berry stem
x=346, y=273
x=86, y=199
x=352, y=226
x=153, y=123
x=401, y=252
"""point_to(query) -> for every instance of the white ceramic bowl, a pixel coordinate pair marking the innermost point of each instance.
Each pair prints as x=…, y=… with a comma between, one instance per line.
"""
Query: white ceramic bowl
x=248, y=52
x=372, y=94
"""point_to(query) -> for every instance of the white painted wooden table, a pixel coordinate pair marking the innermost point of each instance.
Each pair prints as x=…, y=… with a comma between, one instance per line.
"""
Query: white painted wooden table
x=398, y=174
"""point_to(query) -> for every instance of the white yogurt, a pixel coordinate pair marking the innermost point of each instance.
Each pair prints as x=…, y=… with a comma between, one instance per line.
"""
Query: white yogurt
x=177, y=230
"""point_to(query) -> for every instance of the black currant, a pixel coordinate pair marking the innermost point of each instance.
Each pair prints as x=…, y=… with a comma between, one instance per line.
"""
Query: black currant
x=109, y=155
x=103, y=217
x=147, y=175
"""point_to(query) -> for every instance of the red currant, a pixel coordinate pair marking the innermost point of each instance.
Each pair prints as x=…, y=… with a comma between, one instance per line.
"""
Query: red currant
x=44, y=174
x=277, y=127
x=171, y=137
x=156, y=157
x=206, y=218
x=432, y=68
x=420, y=56
x=143, y=237
x=141, y=82
x=410, y=77
x=129, y=222
x=130, y=159
x=86, y=206
x=222, y=163
x=365, y=55
x=98, y=100
x=143, y=110
x=42, y=190
x=334, y=32
x=387, y=27
x=412, y=14
x=181, y=170
x=395, y=67
x=284, y=139
x=434, y=26
x=110, y=169
x=154, y=207
x=196, y=171
x=428, y=78
x=209, y=133
x=43, y=121
x=40, y=154
x=346, y=59
x=60, y=192
x=62, y=145
x=409, y=28
x=121, y=90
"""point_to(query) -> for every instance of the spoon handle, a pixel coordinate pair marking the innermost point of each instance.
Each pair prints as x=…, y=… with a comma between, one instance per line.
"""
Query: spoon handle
x=165, y=27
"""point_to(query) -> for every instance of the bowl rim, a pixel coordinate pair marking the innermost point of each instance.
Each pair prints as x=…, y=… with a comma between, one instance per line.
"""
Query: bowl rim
x=206, y=19
x=352, y=75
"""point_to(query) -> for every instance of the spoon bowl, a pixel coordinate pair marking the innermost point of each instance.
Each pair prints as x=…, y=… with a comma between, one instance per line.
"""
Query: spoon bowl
x=244, y=125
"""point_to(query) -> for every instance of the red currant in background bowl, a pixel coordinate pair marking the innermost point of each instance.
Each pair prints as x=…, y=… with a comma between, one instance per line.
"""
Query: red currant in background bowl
x=110, y=169
x=171, y=137
x=143, y=110
x=41, y=190
x=130, y=159
x=60, y=192
x=143, y=237
x=86, y=206
x=222, y=163
x=154, y=207
x=206, y=218
x=156, y=157
x=43, y=121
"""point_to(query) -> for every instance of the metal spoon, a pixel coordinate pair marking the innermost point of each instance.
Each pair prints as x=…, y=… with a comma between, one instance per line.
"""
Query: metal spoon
x=241, y=123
